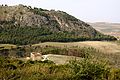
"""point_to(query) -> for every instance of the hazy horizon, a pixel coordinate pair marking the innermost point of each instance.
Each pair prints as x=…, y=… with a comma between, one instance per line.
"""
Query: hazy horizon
x=85, y=10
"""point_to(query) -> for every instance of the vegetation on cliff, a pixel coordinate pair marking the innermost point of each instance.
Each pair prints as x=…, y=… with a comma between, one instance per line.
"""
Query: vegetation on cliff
x=25, y=25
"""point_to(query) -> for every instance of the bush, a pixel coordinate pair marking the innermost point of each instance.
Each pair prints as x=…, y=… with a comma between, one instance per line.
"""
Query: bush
x=89, y=70
x=114, y=74
x=86, y=69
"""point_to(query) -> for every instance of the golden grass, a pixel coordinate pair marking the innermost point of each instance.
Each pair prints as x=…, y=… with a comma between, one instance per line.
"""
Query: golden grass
x=7, y=46
x=107, y=47
x=104, y=46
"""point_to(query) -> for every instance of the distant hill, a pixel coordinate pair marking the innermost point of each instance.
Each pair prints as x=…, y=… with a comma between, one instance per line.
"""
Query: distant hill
x=25, y=25
x=107, y=28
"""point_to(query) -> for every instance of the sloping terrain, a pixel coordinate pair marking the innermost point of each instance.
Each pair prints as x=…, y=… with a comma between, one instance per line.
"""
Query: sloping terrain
x=25, y=25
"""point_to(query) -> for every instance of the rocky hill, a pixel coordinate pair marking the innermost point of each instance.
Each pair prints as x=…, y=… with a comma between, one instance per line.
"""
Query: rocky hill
x=25, y=25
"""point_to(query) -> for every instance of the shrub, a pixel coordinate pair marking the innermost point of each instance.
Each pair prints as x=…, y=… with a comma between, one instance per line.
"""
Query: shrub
x=114, y=74
x=89, y=70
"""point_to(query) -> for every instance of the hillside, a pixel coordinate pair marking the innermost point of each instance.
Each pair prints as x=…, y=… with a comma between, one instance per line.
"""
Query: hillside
x=25, y=25
x=107, y=28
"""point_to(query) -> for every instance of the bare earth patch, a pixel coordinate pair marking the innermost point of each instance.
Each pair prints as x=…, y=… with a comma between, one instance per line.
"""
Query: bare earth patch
x=61, y=59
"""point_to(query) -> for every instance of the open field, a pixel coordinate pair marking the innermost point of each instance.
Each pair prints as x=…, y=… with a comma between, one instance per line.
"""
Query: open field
x=61, y=53
x=104, y=46
x=7, y=46
x=15, y=69
x=61, y=59
x=103, y=50
x=107, y=28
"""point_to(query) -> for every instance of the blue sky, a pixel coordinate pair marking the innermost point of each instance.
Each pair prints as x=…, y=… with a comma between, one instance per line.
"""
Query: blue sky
x=86, y=10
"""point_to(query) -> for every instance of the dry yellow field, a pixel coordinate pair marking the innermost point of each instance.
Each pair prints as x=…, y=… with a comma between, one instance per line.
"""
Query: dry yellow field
x=104, y=46
x=7, y=46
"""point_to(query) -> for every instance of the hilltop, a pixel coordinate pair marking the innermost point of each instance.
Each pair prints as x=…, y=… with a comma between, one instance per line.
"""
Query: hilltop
x=25, y=25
